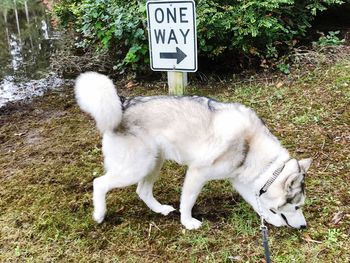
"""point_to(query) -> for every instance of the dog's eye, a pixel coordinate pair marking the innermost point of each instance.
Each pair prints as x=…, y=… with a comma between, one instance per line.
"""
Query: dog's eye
x=289, y=200
x=272, y=211
x=297, y=207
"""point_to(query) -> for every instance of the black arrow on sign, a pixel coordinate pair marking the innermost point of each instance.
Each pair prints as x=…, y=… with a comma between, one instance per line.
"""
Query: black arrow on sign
x=179, y=55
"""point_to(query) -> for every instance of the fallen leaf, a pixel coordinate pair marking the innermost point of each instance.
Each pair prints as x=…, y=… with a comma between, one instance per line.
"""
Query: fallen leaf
x=235, y=258
x=338, y=217
x=279, y=84
x=131, y=84
x=308, y=239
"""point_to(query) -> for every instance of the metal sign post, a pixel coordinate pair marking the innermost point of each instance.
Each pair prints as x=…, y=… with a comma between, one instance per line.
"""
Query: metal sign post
x=173, y=40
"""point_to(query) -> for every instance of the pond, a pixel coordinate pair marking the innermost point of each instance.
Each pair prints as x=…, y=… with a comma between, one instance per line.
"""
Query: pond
x=27, y=42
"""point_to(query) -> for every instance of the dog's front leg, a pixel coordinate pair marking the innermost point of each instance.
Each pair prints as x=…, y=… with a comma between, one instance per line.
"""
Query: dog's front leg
x=193, y=184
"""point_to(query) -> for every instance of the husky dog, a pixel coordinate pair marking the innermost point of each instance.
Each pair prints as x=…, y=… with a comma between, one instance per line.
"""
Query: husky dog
x=215, y=140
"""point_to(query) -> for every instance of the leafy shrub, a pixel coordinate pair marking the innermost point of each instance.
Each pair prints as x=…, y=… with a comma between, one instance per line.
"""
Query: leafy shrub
x=331, y=39
x=67, y=11
x=262, y=29
x=110, y=24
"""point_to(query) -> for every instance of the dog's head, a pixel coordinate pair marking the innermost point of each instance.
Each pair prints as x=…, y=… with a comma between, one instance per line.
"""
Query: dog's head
x=282, y=202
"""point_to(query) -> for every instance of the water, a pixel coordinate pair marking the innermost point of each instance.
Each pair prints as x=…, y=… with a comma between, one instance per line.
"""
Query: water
x=27, y=41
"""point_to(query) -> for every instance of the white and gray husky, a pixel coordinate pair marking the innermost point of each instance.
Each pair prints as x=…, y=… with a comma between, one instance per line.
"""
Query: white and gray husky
x=215, y=140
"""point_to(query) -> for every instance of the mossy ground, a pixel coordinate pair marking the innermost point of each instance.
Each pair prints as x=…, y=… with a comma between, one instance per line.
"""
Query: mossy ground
x=50, y=153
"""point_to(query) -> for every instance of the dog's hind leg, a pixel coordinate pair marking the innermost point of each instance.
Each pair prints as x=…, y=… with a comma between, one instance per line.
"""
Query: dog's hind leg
x=193, y=184
x=104, y=184
x=145, y=191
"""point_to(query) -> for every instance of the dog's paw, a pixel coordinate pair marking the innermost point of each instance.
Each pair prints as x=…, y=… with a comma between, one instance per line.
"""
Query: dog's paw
x=191, y=223
x=166, y=209
x=98, y=216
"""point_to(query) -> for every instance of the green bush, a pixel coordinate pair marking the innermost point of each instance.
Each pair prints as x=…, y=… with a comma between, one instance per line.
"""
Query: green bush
x=331, y=39
x=263, y=29
x=68, y=12
x=116, y=25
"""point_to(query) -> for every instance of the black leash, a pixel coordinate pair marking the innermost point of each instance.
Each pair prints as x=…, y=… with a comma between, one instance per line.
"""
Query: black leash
x=263, y=228
x=265, y=241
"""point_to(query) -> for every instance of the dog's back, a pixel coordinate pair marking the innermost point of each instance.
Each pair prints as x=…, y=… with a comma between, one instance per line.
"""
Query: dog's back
x=188, y=129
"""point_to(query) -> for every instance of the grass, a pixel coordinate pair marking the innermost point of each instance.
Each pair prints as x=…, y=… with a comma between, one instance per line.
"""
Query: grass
x=50, y=153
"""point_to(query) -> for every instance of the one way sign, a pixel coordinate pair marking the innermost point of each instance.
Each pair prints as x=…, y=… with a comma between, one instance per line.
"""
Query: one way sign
x=172, y=35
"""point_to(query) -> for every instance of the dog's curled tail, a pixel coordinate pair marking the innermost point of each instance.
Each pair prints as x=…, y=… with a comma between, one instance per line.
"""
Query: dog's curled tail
x=96, y=95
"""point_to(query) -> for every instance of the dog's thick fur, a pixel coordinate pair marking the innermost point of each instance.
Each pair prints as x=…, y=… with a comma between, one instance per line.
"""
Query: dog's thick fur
x=215, y=140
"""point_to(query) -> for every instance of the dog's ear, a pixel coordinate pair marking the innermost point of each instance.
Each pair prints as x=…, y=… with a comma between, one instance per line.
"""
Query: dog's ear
x=292, y=181
x=294, y=178
x=305, y=164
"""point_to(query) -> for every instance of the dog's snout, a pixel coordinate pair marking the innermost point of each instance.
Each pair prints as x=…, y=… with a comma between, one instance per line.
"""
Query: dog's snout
x=302, y=227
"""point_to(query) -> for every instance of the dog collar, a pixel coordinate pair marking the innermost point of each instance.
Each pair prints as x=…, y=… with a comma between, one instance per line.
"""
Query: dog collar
x=269, y=182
